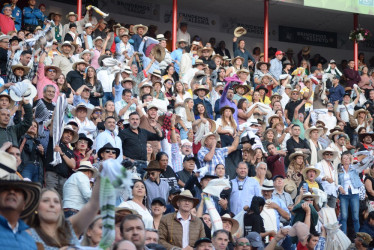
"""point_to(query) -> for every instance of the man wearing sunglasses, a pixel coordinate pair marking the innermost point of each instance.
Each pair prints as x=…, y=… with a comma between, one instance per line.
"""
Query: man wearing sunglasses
x=329, y=174
x=156, y=187
x=242, y=244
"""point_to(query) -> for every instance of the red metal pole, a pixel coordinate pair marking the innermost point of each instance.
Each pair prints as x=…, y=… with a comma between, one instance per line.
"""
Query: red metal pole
x=355, y=46
x=266, y=30
x=175, y=20
x=79, y=9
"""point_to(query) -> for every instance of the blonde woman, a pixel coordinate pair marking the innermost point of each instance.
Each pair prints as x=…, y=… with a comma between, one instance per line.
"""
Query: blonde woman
x=237, y=64
x=297, y=164
x=180, y=96
x=187, y=116
x=226, y=124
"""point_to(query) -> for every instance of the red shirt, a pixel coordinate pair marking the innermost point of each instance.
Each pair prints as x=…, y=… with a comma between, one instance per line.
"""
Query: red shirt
x=6, y=24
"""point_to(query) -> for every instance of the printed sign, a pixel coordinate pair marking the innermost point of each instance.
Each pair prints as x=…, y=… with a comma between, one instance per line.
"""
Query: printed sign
x=306, y=36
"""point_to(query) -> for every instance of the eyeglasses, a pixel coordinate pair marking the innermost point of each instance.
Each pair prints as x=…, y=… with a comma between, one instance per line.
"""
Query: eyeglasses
x=83, y=141
x=52, y=70
x=98, y=112
x=309, y=199
x=295, y=93
x=108, y=151
x=243, y=244
x=328, y=154
x=187, y=146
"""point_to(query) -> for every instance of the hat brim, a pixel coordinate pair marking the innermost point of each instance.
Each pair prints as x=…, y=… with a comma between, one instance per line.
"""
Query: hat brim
x=258, y=65
x=177, y=197
x=235, y=224
x=26, y=69
x=309, y=130
x=32, y=191
x=360, y=111
x=71, y=46
x=206, y=90
x=90, y=142
x=240, y=31
x=294, y=155
x=58, y=70
x=362, y=136
x=30, y=96
x=74, y=111
x=92, y=169
x=136, y=27
x=321, y=152
x=75, y=136
x=221, y=110
x=101, y=150
x=246, y=88
x=305, y=170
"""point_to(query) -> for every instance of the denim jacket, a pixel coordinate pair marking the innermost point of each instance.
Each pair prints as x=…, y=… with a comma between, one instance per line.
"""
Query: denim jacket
x=19, y=240
x=355, y=179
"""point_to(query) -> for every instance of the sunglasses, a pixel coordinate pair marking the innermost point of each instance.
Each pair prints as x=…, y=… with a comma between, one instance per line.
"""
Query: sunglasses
x=108, y=151
x=328, y=154
x=52, y=70
x=309, y=199
x=83, y=141
x=98, y=112
x=243, y=244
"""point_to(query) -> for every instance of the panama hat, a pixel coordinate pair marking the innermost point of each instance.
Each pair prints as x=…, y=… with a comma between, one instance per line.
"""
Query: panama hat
x=156, y=73
x=328, y=149
x=75, y=134
x=186, y=194
x=208, y=135
x=217, y=55
x=309, y=130
x=21, y=90
x=240, y=31
x=87, y=165
x=86, y=51
x=267, y=185
x=107, y=146
x=336, y=128
x=66, y=43
x=26, y=69
x=136, y=27
x=154, y=166
x=158, y=53
x=297, y=153
x=360, y=111
x=58, y=70
x=160, y=37
x=290, y=187
x=221, y=110
x=305, y=171
x=246, y=88
x=101, y=58
x=235, y=223
x=200, y=51
x=71, y=14
x=198, y=62
x=258, y=65
x=273, y=116
x=9, y=178
x=201, y=87
x=308, y=194
x=80, y=61
x=237, y=58
x=128, y=79
x=81, y=105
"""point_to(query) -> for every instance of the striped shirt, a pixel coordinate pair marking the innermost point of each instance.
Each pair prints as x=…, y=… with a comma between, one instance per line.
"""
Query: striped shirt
x=218, y=158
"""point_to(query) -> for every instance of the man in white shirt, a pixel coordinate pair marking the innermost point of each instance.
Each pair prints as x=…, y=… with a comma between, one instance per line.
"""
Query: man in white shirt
x=126, y=106
x=182, y=31
x=329, y=174
x=124, y=49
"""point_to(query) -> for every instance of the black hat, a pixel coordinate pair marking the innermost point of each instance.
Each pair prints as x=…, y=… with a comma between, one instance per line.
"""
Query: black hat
x=159, y=200
x=108, y=146
x=174, y=190
x=190, y=158
x=347, y=93
x=83, y=136
x=15, y=38
x=246, y=139
x=262, y=87
x=201, y=240
x=278, y=176
x=72, y=122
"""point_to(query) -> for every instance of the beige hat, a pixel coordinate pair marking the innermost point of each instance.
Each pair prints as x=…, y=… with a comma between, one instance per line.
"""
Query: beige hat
x=87, y=165
x=328, y=149
x=75, y=136
x=186, y=194
x=305, y=170
x=297, y=153
x=26, y=69
x=86, y=51
x=309, y=130
x=201, y=87
x=290, y=187
x=135, y=28
x=80, y=61
x=235, y=223
x=237, y=58
x=66, y=43
x=200, y=51
x=81, y=105
x=71, y=14
x=207, y=135
x=360, y=111
x=240, y=31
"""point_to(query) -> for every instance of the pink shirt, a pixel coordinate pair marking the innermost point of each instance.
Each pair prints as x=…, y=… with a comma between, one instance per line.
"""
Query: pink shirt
x=43, y=81
x=6, y=24
x=94, y=60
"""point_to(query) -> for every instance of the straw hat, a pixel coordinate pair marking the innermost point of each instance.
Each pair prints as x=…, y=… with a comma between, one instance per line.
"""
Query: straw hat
x=246, y=88
x=268, y=185
x=297, y=153
x=154, y=166
x=66, y=43
x=186, y=194
x=87, y=165
x=201, y=87
x=71, y=14
x=258, y=65
x=86, y=51
x=158, y=52
x=237, y=58
x=135, y=28
x=29, y=93
x=309, y=130
x=290, y=187
x=80, y=61
x=75, y=134
x=273, y=116
x=336, y=128
x=308, y=194
x=58, y=70
x=9, y=179
x=360, y=111
x=235, y=223
x=274, y=95
x=240, y=31
x=207, y=135
x=328, y=149
x=200, y=51
x=26, y=69
x=305, y=171
x=81, y=105
x=221, y=110
x=332, y=135
x=306, y=50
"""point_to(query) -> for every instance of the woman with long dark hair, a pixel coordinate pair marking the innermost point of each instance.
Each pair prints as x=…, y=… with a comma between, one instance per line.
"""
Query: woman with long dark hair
x=95, y=85
x=65, y=88
x=139, y=202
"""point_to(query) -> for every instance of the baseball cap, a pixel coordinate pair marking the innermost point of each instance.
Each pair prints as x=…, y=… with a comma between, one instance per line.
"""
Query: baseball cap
x=174, y=190
x=332, y=61
x=278, y=176
x=201, y=240
x=189, y=158
x=255, y=239
x=279, y=52
x=159, y=200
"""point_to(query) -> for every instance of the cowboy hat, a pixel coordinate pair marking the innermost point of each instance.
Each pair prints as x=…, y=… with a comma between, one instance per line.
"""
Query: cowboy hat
x=274, y=95
x=186, y=194
x=309, y=130
x=360, y=111
x=237, y=58
x=235, y=223
x=158, y=53
x=208, y=135
x=135, y=28
x=75, y=134
x=243, y=70
x=66, y=43
x=71, y=14
x=305, y=171
x=118, y=29
x=246, y=88
x=266, y=75
x=258, y=65
x=322, y=127
x=201, y=87
x=146, y=84
x=308, y=194
x=10, y=179
x=200, y=51
x=87, y=165
x=273, y=116
x=362, y=136
x=181, y=40
x=11, y=102
x=105, y=147
x=156, y=73
x=222, y=109
x=267, y=185
x=328, y=149
x=154, y=166
x=81, y=105
x=26, y=69
x=306, y=50
x=239, y=31
x=262, y=87
x=198, y=62
x=82, y=136
x=160, y=37
x=79, y=61
x=86, y=51
x=128, y=79
x=97, y=39
x=58, y=70
x=21, y=90
x=290, y=187
x=332, y=135
x=297, y=153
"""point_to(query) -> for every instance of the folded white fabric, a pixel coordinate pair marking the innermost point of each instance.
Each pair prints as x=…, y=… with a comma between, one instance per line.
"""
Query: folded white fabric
x=20, y=87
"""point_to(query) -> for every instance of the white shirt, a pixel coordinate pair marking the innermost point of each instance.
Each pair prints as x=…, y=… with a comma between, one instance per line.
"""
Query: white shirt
x=86, y=127
x=343, y=111
x=185, y=36
x=106, y=78
x=77, y=191
x=186, y=229
x=329, y=119
x=120, y=105
x=329, y=188
x=146, y=215
x=105, y=137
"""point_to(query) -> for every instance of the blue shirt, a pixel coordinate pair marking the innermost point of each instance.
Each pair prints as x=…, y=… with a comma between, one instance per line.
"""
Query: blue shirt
x=77, y=99
x=218, y=158
x=137, y=40
x=282, y=205
x=176, y=55
x=147, y=60
x=31, y=16
x=240, y=198
x=206, y=103
x=19, y=240
x=17, y=14
x=246, y=55
x=336, y=93
x=276, y=68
